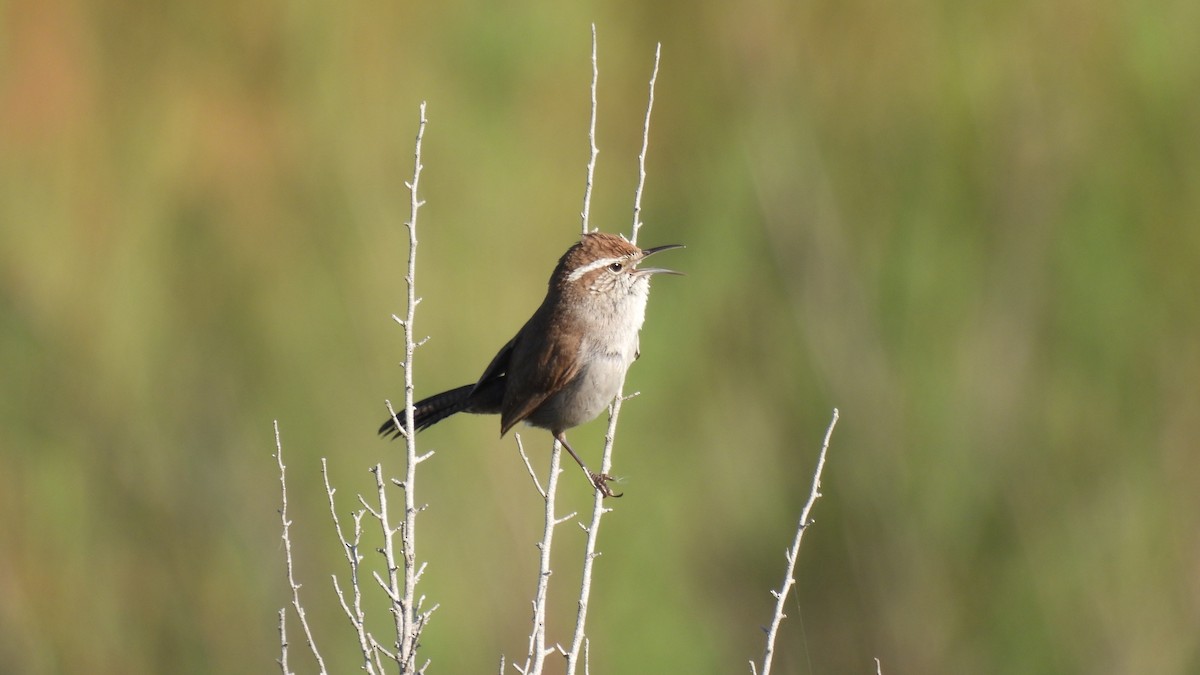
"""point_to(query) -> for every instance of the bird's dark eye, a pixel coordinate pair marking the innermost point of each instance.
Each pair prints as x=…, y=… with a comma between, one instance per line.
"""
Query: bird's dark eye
x=616, y=267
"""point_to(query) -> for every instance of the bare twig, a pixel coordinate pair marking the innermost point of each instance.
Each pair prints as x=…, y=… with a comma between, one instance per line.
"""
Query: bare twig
x=536, y=656
x=400, y=579
x=283, y=644
x=637, y=195
x=793, y=553
x=352, y=609
x=406, y=607
x=538, y=651
x=408, y=622
x=580, y=645
x=529, y=467
x=291, y=576
x=593, y=531
x=399, y=599
x=591, y=169
x=579, y=638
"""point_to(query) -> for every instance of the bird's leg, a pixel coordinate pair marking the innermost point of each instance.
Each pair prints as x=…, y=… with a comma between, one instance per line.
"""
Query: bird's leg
x=600, y=480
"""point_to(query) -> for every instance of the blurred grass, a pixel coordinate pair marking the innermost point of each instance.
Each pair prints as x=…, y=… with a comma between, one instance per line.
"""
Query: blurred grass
x=972, y=227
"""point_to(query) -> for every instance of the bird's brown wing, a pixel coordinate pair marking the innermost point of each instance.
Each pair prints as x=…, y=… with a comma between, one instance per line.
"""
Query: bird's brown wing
x=499, y=365
x=541, y=377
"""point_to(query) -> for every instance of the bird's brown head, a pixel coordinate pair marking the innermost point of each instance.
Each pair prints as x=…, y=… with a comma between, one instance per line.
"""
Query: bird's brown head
x=603, y=262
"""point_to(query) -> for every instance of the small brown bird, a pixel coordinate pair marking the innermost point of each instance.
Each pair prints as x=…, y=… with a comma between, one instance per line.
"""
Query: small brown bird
x=567, y=362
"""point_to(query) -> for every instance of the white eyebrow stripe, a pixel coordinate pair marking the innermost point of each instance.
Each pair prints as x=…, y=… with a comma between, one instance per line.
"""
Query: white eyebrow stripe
x=595, y=265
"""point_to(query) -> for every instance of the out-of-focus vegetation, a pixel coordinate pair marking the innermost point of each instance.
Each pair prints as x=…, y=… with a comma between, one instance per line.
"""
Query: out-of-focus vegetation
x=973, y=227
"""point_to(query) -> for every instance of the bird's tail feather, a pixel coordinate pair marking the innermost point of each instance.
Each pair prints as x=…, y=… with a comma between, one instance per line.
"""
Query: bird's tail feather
x=430, y=411
x=469, y=398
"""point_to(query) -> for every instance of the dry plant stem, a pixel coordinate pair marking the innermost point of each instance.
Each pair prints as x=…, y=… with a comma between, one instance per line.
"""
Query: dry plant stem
x=579, y=644
x=793, y=553
x=405, y=605
x=401, y=603
x=637, y=195
x=283, y=664
x=287, y=550
x=579, y=638
x=536, y=657
x=408, y=618
x=585, y=587
x=538, y=651
x=529, y=467
x=591, y=169
x=408, y=622
x=353, y=609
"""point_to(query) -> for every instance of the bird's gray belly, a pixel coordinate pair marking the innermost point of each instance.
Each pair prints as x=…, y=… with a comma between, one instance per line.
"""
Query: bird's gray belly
x=584, y=397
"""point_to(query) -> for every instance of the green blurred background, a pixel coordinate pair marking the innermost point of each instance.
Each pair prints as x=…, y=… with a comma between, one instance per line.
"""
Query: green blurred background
x=972, y=227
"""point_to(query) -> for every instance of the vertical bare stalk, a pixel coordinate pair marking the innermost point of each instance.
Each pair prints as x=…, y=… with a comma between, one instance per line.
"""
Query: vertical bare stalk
x=401, y=582
x=291, y=576
x=637, y=195
x=283, y=643
x=409, y=621
x=400, y=579
x=535, y=659
x=793, y=553
x=352, y=608
x=591, y=168
x=578, y=640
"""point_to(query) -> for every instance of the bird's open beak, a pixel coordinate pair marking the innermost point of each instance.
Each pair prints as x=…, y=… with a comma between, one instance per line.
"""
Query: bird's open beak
x=646, y=253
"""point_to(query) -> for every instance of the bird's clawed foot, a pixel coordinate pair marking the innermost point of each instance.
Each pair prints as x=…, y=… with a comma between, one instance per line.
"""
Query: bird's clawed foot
x=601, y=481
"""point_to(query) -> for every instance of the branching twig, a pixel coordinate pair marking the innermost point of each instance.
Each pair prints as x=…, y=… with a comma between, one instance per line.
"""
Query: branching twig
x=406, y=607
x=536, y=656
x=353, y=609
x=401, y=574
x=538, y=651
x=400, y=601
x=537, y=639
x=578, y=640
x=793, y=553
x=292, y=579
x=409, y=622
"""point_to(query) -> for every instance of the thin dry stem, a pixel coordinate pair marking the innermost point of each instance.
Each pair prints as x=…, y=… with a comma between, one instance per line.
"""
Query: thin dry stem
x=408, y=622
x=793, y=553
x=594, y=151
x=536, y=656
x=283, y=644
x=579, y=638
x=400, y=581
x=529, y=467
x=637, y=195
x=352, y=609
x=291, y=576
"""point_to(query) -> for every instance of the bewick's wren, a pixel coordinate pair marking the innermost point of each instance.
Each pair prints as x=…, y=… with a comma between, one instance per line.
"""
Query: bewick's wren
x=567, y=362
